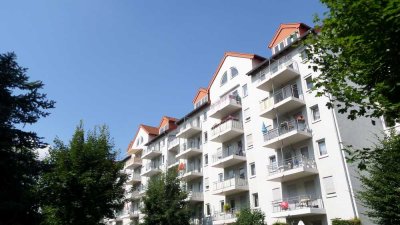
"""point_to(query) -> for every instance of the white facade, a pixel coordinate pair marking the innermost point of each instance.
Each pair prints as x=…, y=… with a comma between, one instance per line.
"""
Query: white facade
x=264, y=142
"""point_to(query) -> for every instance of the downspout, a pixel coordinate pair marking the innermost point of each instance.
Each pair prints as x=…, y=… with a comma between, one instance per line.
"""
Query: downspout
x=347, y=174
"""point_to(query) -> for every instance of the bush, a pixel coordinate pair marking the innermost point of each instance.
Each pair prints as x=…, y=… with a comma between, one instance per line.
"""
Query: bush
x=250, y=217
x=280, y=223
x=338, y=221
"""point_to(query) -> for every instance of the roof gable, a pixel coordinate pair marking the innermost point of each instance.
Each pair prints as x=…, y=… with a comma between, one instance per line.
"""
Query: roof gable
x=231, y=54
x=285, y=30
x=151, y=131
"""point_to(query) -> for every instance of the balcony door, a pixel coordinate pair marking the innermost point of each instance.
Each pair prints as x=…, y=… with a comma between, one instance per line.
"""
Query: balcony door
x=292, y=191
x=310, y=188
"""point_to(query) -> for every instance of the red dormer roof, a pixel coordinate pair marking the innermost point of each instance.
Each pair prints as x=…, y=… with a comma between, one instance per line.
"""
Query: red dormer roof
x=287, y=29
x=200, y=95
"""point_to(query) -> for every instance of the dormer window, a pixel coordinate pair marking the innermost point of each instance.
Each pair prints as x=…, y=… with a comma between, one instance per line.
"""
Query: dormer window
x=163, y=129
x=224, y=78
x=285, y=42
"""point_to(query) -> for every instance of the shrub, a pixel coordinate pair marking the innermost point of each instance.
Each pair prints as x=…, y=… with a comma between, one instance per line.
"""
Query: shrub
x=280, y=223
x=338, y=221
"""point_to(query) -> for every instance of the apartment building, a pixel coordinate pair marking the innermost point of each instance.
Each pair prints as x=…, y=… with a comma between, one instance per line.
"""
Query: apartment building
x=257, y=138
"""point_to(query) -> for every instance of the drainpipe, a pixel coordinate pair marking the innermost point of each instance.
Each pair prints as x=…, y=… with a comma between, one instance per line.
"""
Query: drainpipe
x=347, y=174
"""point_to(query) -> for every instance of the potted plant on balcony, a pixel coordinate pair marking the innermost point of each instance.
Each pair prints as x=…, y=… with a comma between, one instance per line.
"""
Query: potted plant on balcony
x=227, y=207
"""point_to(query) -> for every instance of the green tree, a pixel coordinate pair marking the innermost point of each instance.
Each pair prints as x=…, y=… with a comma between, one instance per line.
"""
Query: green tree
x=249, y=217
x=381, y=183
x=165, y=202
x=21, y=103
x=357, y=51
x=82, y=183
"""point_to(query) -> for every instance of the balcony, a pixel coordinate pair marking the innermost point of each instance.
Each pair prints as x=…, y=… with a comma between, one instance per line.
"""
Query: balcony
x=172, y=162
x=189, y=149
x=225, y=106
x=134, y=178
x=151, y=169
x=195, y=196
x=303, y=205
x=228, y=217
x=289, y=132
x=191, y=172
x=230, y=186
x=151, y=153
x=173, y=144
x=134, y=213
x=226, y=130
x=189, y=129
x=292, y=169
x=139, y=192
x=228, y=157
x=133, y=163
x=134, y=150
x=282, y=101
x=277, y=74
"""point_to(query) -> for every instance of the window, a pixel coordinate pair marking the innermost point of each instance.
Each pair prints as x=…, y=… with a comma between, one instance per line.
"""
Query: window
x=234, y=72
x=281, y=45
x=208, y=209
x=322, y=147
x=255, y=200
x=315, y=113
x=222, y=203
x=246, y=115
x=206, y=159
x=249, y=140
x=309, y=83
x=329, y=185
x=276, y=194
x=206, y=183
x=303, y=55
x=224, y=79
x=252, y=169
x=205, y=116
x=220, y=177
x=245, y=91
x=242, y=173
x=205, y=137
x=276, y=49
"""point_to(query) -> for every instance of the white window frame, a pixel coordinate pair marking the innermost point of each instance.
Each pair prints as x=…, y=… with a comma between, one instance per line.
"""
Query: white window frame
x=313, y=110
x=319, y=148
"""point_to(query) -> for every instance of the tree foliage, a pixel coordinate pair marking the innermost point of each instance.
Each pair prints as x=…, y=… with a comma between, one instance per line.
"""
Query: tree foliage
x=357, y=51
x=83, y=183
x=381, y=185
x=165, y=203
x=21, y=103
x=249, y=217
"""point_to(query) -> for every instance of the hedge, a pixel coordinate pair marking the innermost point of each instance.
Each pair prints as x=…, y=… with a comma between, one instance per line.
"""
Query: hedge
x=338, y=221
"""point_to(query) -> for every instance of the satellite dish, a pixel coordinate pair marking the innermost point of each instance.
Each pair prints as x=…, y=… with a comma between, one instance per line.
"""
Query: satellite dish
x=300, y=222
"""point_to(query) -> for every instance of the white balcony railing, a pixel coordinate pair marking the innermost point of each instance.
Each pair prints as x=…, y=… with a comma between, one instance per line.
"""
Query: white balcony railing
x=224, y=101
x=286, y=127
x=226, y=152
x=152, y=166
x=226, y=125
x=271, y=70
x=189, y=144
x=297, y=203
x=230, y=183
x=154, y=148
x=290, y=164
x=280, y=95
x=192, y=123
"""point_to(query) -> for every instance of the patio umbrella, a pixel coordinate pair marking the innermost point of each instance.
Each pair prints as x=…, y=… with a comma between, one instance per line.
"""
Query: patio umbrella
x=300, y=222
x=264, y=128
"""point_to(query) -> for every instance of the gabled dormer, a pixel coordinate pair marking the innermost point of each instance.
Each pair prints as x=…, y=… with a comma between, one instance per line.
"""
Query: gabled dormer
x=143, y=135
x=167, y=124
x=201, y=98
x=286, y=34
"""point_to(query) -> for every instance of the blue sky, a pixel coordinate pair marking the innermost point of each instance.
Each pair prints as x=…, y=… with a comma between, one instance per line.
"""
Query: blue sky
x=126, y=62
